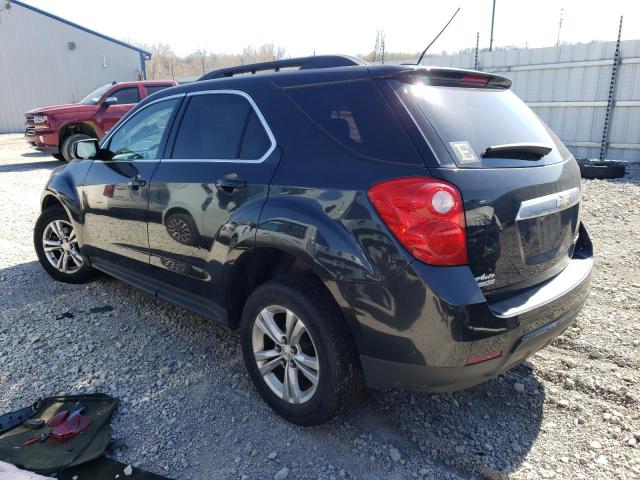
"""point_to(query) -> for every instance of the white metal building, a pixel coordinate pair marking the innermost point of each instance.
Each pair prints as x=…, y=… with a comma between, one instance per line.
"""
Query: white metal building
x=47, y=60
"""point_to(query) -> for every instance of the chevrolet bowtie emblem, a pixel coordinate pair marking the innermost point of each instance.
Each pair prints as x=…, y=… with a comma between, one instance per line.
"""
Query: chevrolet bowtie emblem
x=563, y=201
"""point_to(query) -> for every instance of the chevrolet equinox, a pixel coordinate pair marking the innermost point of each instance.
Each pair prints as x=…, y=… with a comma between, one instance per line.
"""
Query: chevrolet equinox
x=396, y=226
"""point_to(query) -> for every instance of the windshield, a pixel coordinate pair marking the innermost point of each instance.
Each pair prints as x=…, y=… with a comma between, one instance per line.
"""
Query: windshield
x=96, y=95
x=470, y=120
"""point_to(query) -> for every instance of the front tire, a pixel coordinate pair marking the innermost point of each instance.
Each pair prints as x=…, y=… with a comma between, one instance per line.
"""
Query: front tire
x=56, y=245
x=298, y=351
x=67, y=145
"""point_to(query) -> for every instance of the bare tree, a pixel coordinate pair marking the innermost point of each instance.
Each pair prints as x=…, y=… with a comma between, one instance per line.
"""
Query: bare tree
x=377, y=55
x=202, y=53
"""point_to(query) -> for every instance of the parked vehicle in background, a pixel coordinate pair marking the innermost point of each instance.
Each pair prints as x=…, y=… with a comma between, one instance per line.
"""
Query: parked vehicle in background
x=401, y=225
x=55, y=129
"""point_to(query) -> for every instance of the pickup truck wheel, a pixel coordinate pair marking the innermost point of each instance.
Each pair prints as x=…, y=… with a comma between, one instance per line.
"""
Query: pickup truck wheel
x=67, y=145
x=58, y=156
x=298, y=352
x=56, y=245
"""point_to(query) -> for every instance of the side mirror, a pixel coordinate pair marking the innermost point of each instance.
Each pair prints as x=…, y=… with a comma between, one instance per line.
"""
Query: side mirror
x=86, y=149
x=110, y=101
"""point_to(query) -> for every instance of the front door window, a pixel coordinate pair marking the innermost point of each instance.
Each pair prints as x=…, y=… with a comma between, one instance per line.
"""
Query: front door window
x=140, y=137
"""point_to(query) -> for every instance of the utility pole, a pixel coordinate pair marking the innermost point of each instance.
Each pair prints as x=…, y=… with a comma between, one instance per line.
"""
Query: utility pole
x=493, y=17
x=475, y=62
x=560, y=25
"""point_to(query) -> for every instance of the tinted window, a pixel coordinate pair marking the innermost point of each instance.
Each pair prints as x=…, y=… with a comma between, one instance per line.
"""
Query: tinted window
x=140, y=136
x=255, y=141
x=356, y=115
x=151, y=89
x=469, y=120
x=220, y=126
x=127, y=95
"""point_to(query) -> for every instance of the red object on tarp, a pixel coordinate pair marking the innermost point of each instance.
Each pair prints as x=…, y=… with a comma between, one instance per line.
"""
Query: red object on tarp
x=71, y=427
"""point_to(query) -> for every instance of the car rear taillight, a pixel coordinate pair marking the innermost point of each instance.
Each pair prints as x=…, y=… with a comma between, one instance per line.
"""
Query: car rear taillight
x=426, y=215
x=108, y=190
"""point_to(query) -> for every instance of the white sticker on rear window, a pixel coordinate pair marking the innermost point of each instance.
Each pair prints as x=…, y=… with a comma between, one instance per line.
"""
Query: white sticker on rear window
x=464, y=151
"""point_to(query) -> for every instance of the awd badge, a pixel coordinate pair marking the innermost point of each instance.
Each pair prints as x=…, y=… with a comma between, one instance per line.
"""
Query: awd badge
x=486, y=279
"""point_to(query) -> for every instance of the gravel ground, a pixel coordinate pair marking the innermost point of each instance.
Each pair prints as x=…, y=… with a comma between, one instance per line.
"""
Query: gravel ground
x=188, y=409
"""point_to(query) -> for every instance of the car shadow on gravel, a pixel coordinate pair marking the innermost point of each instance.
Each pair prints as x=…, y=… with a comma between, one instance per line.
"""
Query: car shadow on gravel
x=19, y=282
x=483, y=432
x=486, y=430
x=23, y=167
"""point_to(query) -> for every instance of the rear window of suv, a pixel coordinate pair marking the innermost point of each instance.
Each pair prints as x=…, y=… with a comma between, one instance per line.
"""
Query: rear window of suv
x=151, y=89
x=470, y=120
x=356, y=115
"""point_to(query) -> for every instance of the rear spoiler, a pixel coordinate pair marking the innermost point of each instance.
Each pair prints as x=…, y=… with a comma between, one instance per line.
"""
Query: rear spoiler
x=445, y=77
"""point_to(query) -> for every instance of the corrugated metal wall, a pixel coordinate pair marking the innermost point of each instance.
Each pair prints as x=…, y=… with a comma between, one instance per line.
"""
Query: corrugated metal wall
x=568, y=87
x=38, y=69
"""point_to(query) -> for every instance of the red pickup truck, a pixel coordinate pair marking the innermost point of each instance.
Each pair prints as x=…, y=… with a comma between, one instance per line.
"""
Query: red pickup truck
x=56, y=129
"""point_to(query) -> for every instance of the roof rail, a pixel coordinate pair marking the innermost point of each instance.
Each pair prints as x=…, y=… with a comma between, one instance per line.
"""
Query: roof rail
x=303, y=63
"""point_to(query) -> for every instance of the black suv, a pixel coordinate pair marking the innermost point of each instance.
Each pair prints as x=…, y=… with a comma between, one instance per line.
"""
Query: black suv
x=390, y=225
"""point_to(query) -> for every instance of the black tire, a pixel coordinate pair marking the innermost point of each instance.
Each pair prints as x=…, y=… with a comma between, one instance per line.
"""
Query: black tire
x=182, y=228
x=58, y=156
x=340, y=378
x=83, y=274
x=602, y=170
x=67, y=145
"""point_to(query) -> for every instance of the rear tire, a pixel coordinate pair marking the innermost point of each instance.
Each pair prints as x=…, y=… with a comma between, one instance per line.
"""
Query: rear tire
x=320, y=347
x=58, y=156
x=56, y=245
x=67, y=145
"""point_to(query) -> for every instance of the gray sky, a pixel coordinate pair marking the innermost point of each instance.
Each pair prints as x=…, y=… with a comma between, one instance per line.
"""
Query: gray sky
x=343, y=26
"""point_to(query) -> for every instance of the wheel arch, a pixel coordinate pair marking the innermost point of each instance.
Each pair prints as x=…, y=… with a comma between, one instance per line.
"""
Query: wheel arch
x=72, y=127
x=62, y=190
x=261, y=264
x=173, y=210
x=49, y=200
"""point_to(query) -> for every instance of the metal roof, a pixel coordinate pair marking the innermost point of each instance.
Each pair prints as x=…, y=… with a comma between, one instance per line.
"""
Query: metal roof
x=75, y=25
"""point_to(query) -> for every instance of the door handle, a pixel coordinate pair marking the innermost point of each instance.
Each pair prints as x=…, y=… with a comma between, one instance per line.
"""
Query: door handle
x=136, y=182
x=230, y=184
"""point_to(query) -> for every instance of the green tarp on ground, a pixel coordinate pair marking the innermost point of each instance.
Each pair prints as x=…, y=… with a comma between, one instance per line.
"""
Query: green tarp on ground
x=54, y=455
x=105, y=469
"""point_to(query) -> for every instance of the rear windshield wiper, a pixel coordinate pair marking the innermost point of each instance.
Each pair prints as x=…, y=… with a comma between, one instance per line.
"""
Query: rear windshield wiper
x=523, y=151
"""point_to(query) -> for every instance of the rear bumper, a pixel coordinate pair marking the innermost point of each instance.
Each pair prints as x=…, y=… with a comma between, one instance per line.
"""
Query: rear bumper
x=385, y=374
x=432, y=353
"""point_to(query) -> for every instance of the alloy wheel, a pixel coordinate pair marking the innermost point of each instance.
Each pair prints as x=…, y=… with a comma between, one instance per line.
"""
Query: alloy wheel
x=60, y=246
x=179, y=229
x=285, y=354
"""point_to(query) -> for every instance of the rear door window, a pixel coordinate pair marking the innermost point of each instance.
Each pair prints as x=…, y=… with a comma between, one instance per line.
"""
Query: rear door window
x=151, y=89
x=127, y=95
x=220, y=127
x=470, y=120
x=356, y=115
